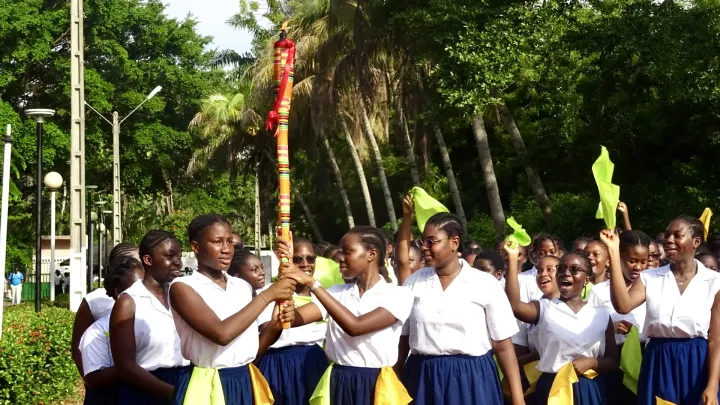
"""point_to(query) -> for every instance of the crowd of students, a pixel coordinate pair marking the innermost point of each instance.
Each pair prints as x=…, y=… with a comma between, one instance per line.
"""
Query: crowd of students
x=428, y=320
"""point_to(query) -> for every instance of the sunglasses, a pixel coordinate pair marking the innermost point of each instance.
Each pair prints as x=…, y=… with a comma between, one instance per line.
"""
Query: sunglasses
x=308, y=259
x=429, y=242
x=574, y=270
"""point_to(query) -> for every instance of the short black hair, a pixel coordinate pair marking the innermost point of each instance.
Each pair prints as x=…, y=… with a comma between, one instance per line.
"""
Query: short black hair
x=470, y=252
x=202, y=222
x=153, y=239
x=123, y=249
x=240, y=258
x=697, y=229
x=371, y=238
x=629, y=239
x=495, y=258
x=119, y=268
x=448, y=223
x=542, y=237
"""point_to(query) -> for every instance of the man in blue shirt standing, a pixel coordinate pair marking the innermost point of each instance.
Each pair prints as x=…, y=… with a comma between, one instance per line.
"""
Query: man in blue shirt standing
x=16, y=280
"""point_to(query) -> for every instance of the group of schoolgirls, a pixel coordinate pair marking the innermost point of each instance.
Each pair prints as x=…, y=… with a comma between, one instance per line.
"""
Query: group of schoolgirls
x=445, y=336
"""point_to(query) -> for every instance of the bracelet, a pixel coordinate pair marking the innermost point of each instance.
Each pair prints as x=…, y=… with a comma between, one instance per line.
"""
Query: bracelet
x=317, y=284
x=266, y=301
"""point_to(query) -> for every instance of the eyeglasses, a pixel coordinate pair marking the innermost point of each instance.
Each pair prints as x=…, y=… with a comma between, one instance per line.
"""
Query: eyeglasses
x=574, y=270
x=654, y=256
x=429, y=242
x=308, y=259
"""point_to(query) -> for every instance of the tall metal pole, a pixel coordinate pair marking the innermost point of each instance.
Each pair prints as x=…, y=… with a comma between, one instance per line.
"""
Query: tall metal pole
x=52, y=246
x=77, y=157
x=117, y=229
x=91, y=241
x=100, y=254
x=38, y=216
x=4, y=213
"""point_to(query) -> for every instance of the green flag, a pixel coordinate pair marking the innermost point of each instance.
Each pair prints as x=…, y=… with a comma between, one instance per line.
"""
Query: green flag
x=609, y=193
x=631, y=359
x=519, y=235
x=425, y=206
x=327, y=272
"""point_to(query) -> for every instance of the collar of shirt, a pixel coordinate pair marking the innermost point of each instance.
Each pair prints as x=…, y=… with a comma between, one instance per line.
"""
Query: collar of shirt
x=207, y=282
x=374, y=290
x=140, y=291
x=703, y=273
x=464, y=276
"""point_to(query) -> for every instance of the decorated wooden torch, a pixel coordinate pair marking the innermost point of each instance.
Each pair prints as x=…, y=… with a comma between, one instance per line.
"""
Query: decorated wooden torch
x=278, y=118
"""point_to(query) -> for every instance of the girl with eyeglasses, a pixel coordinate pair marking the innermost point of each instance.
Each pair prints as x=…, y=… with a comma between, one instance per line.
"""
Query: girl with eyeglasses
x=681, y=363
x=294, y=364
x=460, y=317
x=568, y=330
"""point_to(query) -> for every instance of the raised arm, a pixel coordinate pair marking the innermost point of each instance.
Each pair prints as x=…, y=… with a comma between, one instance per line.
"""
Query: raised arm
x=626, y=215
x=710, y=395
x=623, y=300
x=122, y=345
x=192, y=309
x=523, y=311
x=402, y=250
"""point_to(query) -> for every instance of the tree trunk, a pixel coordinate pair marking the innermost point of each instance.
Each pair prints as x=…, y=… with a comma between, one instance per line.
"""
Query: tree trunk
x=308, y=214
x=454, y=191
x=491, y=187
x=170, y=202
x=361, y=173
x=338, y=179
x=535, y=183
x=378, y=161
x=408, y=144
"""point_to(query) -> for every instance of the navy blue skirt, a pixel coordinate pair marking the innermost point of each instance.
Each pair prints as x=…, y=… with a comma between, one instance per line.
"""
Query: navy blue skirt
x=353, y=385
x=235, y=381
x=453, y=380
x=293, y=372
x=585, y=391
x=675, y=370
x=100, y=396
x=129, y=394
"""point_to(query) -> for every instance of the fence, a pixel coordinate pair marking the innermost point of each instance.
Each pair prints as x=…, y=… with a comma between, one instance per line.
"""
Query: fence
x=28, y=290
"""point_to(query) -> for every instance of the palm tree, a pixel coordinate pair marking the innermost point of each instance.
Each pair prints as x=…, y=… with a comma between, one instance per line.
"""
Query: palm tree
x=491, y=187
x=361, y=172
x=454, y=191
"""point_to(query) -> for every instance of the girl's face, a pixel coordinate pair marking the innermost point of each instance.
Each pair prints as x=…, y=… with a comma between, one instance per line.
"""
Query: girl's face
x=547, y=248
x=653, y=256
x=598, y=259
x=121, y=284
x=355, y=258
x=546, y=275
x=580, y=244
x=304, y=257
x=253, y=272
x=416, y=261
x=215, y=247
x=709, y=262
x=165, y=262
x=572, y=275
x=634, y=261
x=679, y=243
x=438, y=248
x=488, y=267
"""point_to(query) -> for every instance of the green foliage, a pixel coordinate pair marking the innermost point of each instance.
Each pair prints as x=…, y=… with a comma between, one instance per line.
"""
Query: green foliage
x=35, y=362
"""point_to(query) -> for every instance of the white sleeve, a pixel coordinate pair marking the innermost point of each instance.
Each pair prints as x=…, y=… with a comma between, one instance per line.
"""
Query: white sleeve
x=593, y=299
x=266, y=315
x=399, y=302
x=500, y=319
x=521, y=338
x=335, y=291
x=95, y=350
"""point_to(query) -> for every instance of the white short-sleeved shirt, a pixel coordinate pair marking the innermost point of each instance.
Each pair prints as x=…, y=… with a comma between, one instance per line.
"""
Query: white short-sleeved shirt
x=671, y=315
x=225, y=303
x=95, y=346
x=99, y=302
x=529, y=291
x=463, y=319
x=562, y=335
x=373, y=350
x=600, y=297
x=157, y=344
x=306, y=335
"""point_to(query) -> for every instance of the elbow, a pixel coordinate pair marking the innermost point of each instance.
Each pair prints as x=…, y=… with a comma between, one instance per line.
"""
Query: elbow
x=222, y=339
x=353, y=330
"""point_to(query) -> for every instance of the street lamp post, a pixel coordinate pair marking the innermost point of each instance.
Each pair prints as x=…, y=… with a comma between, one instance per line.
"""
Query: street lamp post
x=107, y=234
x=39, y=114
x=116, y=122
x=101, y=230
x=4, y=211
x=53, y=181
x=92, y=217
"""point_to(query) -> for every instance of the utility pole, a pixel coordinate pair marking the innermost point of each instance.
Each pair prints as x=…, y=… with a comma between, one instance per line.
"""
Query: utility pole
x=117, y=230
x=78, y=239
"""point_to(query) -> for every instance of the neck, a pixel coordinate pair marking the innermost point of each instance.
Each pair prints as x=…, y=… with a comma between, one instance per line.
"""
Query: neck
x=573, y=300
x=452, y=267
x=552, y=295
x=210, y=273
x=153, y=285
x=684, y=267
x=366, y=280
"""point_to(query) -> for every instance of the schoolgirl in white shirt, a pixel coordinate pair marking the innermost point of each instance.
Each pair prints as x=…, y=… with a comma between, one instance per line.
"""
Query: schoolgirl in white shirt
x=101, y=378
x=634, y=254
x=460, y=316
x=366, y=319
x=145, y=345
x=216, y=319
x=96, y=304
x=567, y=330
x=682, y=314
x=295, y=363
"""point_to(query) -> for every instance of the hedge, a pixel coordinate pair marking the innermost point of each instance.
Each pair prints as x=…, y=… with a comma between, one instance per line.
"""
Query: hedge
x=36, y=366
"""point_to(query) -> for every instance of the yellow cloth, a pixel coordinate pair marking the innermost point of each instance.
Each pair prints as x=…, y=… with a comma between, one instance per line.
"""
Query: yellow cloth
x=532, y=374
x=609, y=193
x=561, y=392
x=205, y=387
x=631, y=359
x=425, y=206
x=388, y=389
x=519, y=235
x=585, y=293
x=705, y=219
x=663, y=402
x=327, y=272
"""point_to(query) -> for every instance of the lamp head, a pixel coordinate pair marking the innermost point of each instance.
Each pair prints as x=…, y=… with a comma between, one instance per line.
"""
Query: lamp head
x=53, y=180
x=39, y=113
x=90, y=188
x=155, y=91
x=93, y=217
x=101, y=228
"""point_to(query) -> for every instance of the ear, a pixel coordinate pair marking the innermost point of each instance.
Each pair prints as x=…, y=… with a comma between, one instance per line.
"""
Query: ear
x=194, y=247
x=372, y=254
x=147, y=260
x=455, y=243
x=697, y=242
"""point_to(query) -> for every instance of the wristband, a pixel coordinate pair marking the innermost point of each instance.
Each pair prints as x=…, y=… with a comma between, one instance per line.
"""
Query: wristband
x=317, y=284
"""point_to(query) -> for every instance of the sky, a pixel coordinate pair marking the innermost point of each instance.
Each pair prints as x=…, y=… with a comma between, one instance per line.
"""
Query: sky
x=211, y=16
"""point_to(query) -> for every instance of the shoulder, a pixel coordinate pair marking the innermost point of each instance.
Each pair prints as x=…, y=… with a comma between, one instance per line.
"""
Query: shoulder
x=651, y=274
x=340, y=288
x=241, y=284
x=95, y=294
x=398, y=292
x=419, y=276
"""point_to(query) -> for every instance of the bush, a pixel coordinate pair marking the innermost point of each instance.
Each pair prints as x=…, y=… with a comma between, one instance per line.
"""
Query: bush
x=36, y=366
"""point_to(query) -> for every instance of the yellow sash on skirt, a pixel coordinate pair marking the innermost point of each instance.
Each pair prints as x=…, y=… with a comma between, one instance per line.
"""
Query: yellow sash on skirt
x=205, y=387
x=561, y=392
x=663, y=402
x=388, y=389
